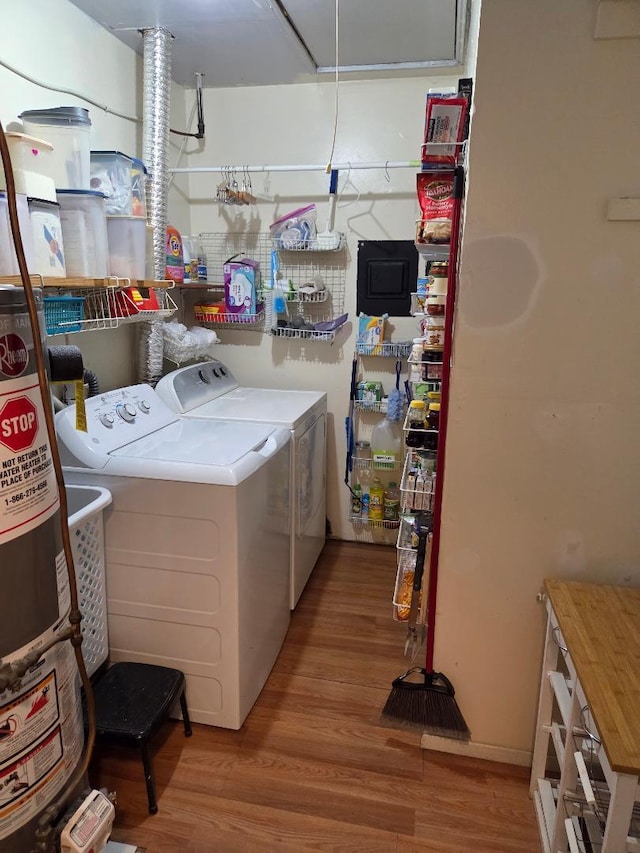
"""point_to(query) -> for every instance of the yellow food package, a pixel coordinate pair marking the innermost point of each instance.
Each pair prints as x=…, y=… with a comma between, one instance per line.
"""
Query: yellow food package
x=371, y=333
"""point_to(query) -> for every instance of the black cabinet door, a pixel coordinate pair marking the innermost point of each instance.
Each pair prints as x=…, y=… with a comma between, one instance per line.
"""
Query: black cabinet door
x=387, y=275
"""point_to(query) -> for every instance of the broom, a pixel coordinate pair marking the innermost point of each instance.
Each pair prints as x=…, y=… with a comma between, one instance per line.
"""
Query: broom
x=422, y=698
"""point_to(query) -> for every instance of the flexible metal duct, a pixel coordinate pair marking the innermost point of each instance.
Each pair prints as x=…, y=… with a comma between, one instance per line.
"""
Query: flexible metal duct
x=155, y=153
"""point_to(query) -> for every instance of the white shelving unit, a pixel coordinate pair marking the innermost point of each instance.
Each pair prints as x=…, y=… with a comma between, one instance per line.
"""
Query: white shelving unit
x=582, y=803
x=87, y=304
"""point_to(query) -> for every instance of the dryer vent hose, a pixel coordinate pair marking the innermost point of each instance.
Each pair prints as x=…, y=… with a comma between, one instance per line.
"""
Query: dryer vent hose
x=91, y=380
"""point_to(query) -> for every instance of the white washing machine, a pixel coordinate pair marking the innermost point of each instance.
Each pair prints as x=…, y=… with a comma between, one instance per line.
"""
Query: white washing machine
x=197, y=542
x=210, y=391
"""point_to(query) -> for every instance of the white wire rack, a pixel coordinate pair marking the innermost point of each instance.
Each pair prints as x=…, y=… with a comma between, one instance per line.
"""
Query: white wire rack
x=322, y=270
x=387, y=349
x=96, y=308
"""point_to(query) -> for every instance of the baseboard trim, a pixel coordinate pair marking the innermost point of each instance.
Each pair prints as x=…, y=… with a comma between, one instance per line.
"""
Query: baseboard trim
x=477, y=750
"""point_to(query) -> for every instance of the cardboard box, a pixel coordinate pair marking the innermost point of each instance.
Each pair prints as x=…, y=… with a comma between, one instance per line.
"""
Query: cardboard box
x=241, y=286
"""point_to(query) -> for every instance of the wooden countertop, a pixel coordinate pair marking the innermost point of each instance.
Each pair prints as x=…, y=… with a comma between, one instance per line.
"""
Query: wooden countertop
x=601, y=627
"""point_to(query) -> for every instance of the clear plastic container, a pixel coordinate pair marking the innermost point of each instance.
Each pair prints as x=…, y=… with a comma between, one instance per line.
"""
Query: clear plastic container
x=122, y=180
x=127, y=237
x=48, y=242
x=8, y=258
x=68, y=129
x=386, y=444
x=84, y=229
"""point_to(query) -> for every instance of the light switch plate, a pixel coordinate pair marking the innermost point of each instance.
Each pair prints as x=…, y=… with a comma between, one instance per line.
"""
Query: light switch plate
x=621, y=209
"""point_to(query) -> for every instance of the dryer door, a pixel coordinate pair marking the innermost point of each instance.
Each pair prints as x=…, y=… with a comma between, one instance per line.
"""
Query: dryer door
x=309, y=471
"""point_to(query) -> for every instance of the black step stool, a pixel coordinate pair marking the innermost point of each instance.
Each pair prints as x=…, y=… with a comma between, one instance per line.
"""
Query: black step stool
x=132, y=702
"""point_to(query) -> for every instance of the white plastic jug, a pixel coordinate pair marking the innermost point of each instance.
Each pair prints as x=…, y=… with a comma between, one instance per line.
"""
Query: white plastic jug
x=386, y=444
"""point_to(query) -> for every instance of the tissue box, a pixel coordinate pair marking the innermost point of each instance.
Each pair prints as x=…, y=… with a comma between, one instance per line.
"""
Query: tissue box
x=241, y=286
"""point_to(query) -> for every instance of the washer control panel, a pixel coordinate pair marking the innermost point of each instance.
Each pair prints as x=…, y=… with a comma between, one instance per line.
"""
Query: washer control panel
x=188, y=387
x=116, y=418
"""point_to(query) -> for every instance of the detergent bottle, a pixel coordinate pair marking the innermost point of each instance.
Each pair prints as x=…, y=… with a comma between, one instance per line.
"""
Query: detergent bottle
x=175, y=262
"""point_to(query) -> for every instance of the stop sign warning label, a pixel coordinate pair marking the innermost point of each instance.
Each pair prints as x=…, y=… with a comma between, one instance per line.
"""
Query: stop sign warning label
x=18, y=424
x=28, y=493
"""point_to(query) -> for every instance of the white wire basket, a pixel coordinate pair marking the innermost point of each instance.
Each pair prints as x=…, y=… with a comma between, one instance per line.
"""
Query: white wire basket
x=86, y=530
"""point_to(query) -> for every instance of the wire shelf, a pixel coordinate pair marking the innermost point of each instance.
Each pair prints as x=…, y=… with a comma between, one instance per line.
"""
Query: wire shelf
x=105, y=308
x=324, y=271
x=370, y=464
x=386, y=349
x=418, y=482
x=374, y=522
x=302, y=334
x=201, y=315
x=332, y=242
x=370, y=406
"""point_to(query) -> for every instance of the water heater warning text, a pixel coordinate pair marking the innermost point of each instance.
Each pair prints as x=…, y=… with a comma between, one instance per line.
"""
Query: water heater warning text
x=28, y=494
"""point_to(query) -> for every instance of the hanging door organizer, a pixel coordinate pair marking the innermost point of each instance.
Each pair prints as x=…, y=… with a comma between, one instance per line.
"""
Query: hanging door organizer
x=311, y=283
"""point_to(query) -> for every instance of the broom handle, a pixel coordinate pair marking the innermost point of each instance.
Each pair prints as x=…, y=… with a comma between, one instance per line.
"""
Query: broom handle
x=444, y=412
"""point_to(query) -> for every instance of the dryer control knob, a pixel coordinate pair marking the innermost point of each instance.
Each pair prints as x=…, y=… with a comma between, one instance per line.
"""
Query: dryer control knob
x=144, y=406
x=215, y=373
x=127, y=412
x=106, y=420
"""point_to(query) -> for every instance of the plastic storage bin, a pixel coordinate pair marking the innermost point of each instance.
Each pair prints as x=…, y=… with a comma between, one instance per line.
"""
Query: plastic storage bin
x=85, y=506
x=68, y=130
x=48, y=242
x=63, y=314
x=122, y=180
x=31, y=162
x=84, y=230
x=8, y=259
x=127, y=246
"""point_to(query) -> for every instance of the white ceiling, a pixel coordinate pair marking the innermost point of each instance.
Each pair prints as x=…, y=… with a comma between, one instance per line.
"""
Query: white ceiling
x=251, y=42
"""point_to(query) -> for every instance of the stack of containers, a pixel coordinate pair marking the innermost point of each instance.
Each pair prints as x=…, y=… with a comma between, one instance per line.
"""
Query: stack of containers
x=65, y=166
x=122, y=181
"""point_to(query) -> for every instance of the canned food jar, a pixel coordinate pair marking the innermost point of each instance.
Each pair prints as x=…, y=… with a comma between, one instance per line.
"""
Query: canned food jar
x=363, y=450
x=439, y=276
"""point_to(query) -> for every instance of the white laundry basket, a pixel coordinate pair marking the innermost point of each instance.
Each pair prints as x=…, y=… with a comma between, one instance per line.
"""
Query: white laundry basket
x=86, y=528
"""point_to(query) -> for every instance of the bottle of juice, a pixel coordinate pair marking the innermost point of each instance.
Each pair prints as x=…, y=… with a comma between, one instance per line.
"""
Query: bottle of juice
x=376, y=500
x=391, y=508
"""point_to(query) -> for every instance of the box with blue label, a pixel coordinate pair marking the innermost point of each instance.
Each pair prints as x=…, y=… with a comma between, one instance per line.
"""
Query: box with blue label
x=241, y=286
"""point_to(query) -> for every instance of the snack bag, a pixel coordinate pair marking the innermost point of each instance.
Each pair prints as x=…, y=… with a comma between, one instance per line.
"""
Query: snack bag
x=437, y=203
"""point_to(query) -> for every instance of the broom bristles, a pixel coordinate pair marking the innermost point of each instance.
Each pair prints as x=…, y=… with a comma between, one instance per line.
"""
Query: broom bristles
x=426, y=707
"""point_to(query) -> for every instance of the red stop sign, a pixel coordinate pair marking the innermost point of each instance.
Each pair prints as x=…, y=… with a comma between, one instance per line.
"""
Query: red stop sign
x=18, y=424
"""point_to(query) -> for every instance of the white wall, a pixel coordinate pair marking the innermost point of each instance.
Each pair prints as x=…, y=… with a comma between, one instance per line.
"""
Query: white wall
x=379, y=121
x=53, y=41
x=543, y=467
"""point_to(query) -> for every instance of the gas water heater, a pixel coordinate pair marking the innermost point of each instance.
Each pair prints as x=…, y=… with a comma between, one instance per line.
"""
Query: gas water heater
x=41, y=726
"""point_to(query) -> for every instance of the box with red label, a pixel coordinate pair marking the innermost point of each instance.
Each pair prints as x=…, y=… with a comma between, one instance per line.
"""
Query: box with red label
x=132, y=300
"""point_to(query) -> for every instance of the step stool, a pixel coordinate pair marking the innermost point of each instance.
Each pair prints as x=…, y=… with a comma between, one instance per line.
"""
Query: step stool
x=132, y=702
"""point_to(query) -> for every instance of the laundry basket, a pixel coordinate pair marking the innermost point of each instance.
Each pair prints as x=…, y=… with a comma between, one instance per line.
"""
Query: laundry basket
x=86, y=529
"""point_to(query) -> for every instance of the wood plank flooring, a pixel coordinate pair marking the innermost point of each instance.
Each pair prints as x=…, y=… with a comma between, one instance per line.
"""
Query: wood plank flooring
x=312, y=769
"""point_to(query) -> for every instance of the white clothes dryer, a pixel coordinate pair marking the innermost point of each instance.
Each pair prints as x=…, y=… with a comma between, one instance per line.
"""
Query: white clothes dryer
x=209, y=391
x=197, y=542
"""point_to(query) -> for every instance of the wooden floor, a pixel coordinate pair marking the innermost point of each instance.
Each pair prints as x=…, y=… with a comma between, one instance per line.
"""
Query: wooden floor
x=312, y=769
